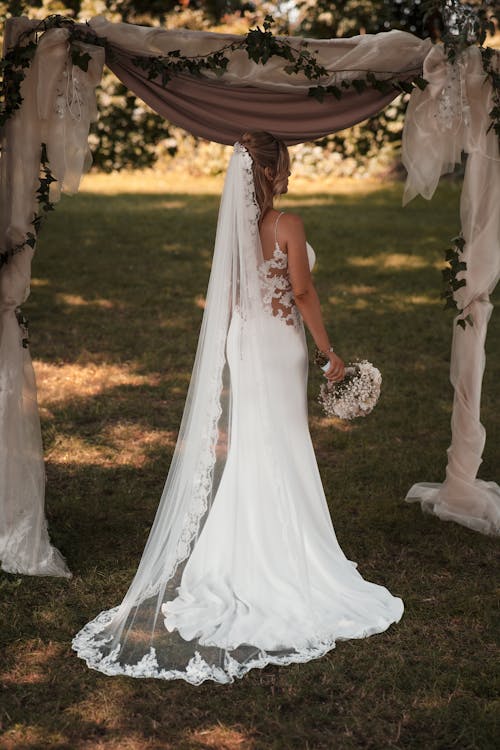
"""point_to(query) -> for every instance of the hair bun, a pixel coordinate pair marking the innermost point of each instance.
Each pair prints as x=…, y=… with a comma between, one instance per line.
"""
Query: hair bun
x=245, y=139
x=268, y=153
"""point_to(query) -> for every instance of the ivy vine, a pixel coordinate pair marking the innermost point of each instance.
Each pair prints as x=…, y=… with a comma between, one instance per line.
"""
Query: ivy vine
x=18, y=59
x=260, y=45
x=470, y=26
x=44, y=206
x=451, y=282
x=491, y=66
x=22, y=321
x=462, y=25
x=13, y=67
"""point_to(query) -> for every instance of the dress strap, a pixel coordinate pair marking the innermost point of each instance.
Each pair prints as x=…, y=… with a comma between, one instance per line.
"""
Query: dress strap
x=276, y=228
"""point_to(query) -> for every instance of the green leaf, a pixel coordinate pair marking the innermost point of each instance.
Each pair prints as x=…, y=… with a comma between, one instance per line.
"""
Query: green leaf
x=268, y=22
x=337, y=93
x=80, y=59
x=446, y=273
x=359, y=84
x=406, y=86
x=317, y=92
x=450, y=304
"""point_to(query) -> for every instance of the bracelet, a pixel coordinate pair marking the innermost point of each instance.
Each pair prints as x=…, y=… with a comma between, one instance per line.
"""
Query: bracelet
x=322, y=357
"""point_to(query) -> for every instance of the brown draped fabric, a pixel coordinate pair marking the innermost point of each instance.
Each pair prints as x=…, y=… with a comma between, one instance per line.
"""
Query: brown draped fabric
x=220, y=112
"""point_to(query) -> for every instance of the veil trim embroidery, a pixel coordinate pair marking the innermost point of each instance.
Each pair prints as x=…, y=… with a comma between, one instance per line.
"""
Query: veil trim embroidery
x=197, y=670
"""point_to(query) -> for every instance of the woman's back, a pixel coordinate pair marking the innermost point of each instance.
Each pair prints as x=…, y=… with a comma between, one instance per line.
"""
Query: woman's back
x=269, y=233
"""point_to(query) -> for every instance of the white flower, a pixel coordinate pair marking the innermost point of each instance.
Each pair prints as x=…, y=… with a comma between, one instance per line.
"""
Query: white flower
x=356, y=395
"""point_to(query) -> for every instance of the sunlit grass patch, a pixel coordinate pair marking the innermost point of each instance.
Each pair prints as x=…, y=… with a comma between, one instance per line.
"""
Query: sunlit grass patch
x=31, y=660
x=78, y=301
x=61, y=382
x=120, y=445
x=221, y=737
x=394, y=261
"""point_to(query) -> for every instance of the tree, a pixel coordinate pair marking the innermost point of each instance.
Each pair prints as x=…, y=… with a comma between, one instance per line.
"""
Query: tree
x=343, y=18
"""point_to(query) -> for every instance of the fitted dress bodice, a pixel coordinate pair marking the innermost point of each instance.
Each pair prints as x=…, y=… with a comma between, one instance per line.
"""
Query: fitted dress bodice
x=276, y=287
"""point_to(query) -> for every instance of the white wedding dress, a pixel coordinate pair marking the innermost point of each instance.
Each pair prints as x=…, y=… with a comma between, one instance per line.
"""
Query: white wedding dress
x=256, y=575
x=267, y=568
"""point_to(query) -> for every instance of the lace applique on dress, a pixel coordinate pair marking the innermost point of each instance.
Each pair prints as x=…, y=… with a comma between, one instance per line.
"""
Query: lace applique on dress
x=277, y=294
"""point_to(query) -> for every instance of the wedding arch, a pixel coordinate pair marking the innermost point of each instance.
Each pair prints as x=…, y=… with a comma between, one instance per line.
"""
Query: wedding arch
x=216, y=86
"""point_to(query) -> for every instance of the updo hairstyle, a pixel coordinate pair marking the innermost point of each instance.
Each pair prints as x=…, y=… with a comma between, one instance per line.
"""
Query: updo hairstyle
x=267, y=151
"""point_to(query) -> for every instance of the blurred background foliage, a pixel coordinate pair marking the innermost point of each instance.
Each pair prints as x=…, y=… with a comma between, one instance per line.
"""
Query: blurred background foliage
x=130, y=135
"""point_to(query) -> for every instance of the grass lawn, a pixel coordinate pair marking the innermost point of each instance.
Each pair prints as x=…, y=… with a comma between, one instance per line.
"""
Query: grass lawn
x=117, y=296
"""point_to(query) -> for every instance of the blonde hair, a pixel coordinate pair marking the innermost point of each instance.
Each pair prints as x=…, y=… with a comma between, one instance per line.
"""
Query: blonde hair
x=266, y=151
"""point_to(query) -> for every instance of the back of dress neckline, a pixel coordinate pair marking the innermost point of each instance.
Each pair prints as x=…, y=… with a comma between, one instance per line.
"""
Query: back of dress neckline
x=276, y=229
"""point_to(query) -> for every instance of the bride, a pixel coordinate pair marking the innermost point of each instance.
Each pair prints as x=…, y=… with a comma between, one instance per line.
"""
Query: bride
x=242, y=567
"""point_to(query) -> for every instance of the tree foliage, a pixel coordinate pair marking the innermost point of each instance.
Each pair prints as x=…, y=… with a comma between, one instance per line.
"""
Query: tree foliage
x=345, y=18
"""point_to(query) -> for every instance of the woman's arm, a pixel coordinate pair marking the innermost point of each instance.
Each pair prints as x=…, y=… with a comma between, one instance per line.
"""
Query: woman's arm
x=306, y=297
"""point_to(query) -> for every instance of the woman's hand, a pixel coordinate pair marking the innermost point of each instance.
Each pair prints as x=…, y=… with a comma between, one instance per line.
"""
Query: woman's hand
x=336, y=371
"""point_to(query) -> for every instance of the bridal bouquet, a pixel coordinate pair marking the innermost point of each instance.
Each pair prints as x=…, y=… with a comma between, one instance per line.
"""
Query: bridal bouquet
x=356, y=395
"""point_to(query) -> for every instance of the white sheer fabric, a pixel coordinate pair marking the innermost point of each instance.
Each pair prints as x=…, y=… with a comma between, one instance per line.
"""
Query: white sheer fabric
x=451, y=116
x=242, y=567
x=24, y=541
x=383, y=53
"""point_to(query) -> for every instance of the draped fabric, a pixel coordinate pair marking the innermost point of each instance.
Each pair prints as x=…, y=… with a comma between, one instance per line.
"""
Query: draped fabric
x=58, y=104
x=249, y=96
x=217, y=112
x=451, y=116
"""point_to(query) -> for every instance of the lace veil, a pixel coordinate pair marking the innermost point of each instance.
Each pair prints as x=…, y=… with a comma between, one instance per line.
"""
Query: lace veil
x=132, y=638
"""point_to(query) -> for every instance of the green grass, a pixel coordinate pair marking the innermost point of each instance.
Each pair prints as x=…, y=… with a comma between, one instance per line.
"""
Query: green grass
x=115, y=308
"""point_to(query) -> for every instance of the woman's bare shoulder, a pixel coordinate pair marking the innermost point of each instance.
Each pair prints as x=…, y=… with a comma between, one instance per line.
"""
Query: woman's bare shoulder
x=291, y=222
x=291, y=219
x=292, y=229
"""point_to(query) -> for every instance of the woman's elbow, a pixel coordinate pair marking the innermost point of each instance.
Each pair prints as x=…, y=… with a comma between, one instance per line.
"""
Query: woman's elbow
x=303, y=294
